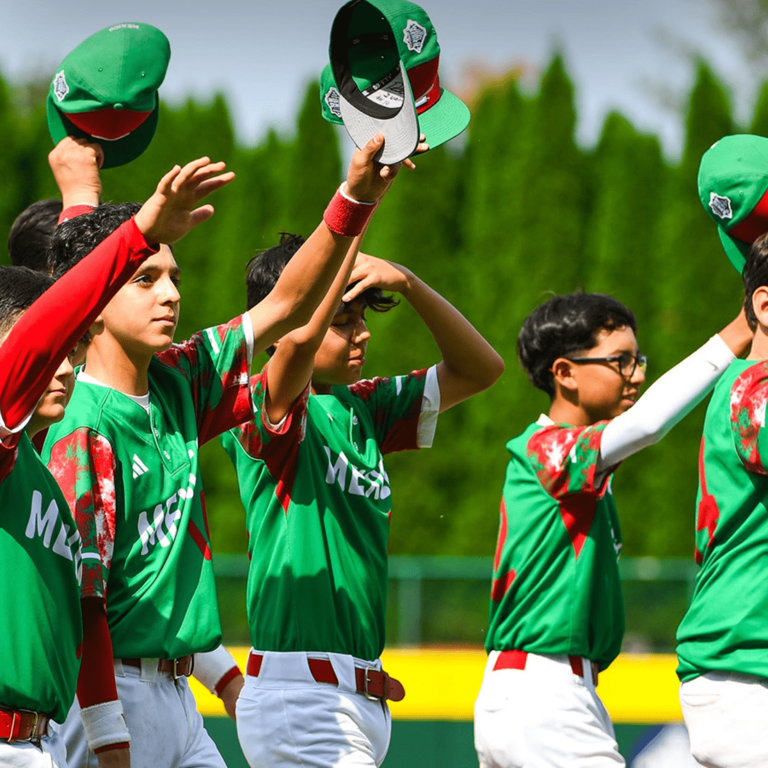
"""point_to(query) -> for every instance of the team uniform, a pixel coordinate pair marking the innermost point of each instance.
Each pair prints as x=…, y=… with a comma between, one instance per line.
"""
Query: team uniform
x=723, y=638
x=556, y=614
x=40, y=552
x=40, y=545
x=129, y=468
x=556, y=611
x=318, y=506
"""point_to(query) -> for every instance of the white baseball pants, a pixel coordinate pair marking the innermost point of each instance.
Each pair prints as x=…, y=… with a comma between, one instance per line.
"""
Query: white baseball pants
x=543, y=716
x=166, y=729
x=285, y=718
x=50, y=754
x=727, y=718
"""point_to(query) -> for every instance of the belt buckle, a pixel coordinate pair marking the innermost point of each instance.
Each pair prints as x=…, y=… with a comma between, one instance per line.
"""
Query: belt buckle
x=366, y=693
x=175, y=669
x=16, y=717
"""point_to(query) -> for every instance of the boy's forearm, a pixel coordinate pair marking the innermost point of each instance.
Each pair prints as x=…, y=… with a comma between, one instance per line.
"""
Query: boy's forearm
x=469, y=364
x=301, y=287
x=290, y=369
x=667, y=402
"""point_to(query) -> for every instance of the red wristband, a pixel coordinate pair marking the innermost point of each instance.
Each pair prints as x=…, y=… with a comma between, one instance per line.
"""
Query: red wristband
x=346, y=217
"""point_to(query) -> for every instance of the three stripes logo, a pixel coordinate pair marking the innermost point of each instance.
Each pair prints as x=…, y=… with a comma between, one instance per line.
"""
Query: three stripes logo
x=139, y=467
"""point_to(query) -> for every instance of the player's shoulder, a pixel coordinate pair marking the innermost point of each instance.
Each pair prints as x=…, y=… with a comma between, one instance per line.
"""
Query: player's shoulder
x=746, y=380
x=165, y=368
x=90, y=407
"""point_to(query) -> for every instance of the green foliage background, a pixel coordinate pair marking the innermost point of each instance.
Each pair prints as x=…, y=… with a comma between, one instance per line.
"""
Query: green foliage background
x=516, y=213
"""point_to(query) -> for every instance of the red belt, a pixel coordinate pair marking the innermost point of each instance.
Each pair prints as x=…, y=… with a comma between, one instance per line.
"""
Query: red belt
x=373, y=683
x=181, y=667
x=22, y=725
x=517, y=659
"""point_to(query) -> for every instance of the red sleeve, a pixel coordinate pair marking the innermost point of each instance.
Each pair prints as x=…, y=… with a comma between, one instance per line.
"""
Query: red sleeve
x=74, y=211
x=96, y=681
x=50, y=328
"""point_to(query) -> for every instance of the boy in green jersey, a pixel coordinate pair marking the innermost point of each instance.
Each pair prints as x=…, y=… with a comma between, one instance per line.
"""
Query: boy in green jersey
x=318, y=504
x=556, y=612
x=126, y=457
x=40, y=545
x=723, y=638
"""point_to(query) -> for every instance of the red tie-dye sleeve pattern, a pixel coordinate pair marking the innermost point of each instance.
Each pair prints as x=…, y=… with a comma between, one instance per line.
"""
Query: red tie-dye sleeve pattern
x=749, y=395
x=277, y=447
x=565, y=459
x=84, y=466
x=215, y=363
x=395, y=404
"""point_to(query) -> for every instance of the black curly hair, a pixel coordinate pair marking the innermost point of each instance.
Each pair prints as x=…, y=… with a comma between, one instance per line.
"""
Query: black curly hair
x=564, y=325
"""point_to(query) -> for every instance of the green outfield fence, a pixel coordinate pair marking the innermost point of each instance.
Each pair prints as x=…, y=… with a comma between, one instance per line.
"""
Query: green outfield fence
x=444, y=600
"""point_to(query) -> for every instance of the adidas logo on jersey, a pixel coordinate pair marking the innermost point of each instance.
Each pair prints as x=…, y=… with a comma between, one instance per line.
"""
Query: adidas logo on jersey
x=139, y=467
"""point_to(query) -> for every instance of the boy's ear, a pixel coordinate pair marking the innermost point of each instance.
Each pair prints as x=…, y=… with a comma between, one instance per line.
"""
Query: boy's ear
x=564, y=374
x=760, y=305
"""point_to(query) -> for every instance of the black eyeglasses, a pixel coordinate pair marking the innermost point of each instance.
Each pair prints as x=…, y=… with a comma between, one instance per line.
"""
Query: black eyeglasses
x=627, y=362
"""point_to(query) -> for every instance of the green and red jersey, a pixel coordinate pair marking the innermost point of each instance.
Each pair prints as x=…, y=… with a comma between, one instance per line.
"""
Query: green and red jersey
x=132, y=477
x=556, y=587
x=40, y=550
x=40, y=546
x=318, y=506
x=726, y=625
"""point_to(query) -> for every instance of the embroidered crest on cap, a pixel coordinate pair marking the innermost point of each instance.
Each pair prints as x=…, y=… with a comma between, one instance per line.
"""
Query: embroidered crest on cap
x=721, y=206
x=60, y=87
x=414, y=36
x=332, y=100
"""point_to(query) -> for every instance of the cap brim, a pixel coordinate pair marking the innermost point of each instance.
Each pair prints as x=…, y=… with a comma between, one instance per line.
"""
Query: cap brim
x=735, y=250
x=444, y=120
x=116, y=153
x=401, y=131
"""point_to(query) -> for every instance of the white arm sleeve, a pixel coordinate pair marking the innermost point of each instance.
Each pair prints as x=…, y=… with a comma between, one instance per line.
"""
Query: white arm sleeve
x=665, y=403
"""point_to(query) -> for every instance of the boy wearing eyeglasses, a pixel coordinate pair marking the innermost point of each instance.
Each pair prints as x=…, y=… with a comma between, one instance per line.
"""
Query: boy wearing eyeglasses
x=556, y=613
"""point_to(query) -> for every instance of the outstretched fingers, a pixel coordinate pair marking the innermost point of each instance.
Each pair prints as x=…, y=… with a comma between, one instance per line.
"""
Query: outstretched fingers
x=189, y=170
x=205, y=188
x=165, y=184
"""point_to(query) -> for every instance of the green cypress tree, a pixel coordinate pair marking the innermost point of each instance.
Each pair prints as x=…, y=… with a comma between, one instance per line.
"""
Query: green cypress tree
x=698, y=295
x=314, y=167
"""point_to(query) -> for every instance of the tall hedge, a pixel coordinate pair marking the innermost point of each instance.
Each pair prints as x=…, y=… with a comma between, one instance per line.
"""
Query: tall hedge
x=514, y=210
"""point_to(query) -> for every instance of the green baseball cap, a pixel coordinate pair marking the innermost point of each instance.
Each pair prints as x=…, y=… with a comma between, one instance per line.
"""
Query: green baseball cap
x=105, y=90
x=441, y=115
x=374, y=92
x=733, y=182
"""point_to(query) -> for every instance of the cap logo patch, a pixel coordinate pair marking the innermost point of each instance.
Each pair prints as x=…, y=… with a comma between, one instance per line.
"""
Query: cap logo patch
x=332, y=100
x=60, y=87
x=414, y=36
x=721, y=206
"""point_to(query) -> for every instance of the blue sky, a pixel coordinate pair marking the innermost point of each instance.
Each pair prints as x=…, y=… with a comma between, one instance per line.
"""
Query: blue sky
x=262, y=55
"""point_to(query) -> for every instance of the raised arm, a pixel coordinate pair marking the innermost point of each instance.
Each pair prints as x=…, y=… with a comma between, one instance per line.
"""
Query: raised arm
x=469, y=363
x=75, y=165
x=673, y=395
x=290, y=369
x=307, y=277
x=48, y=331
